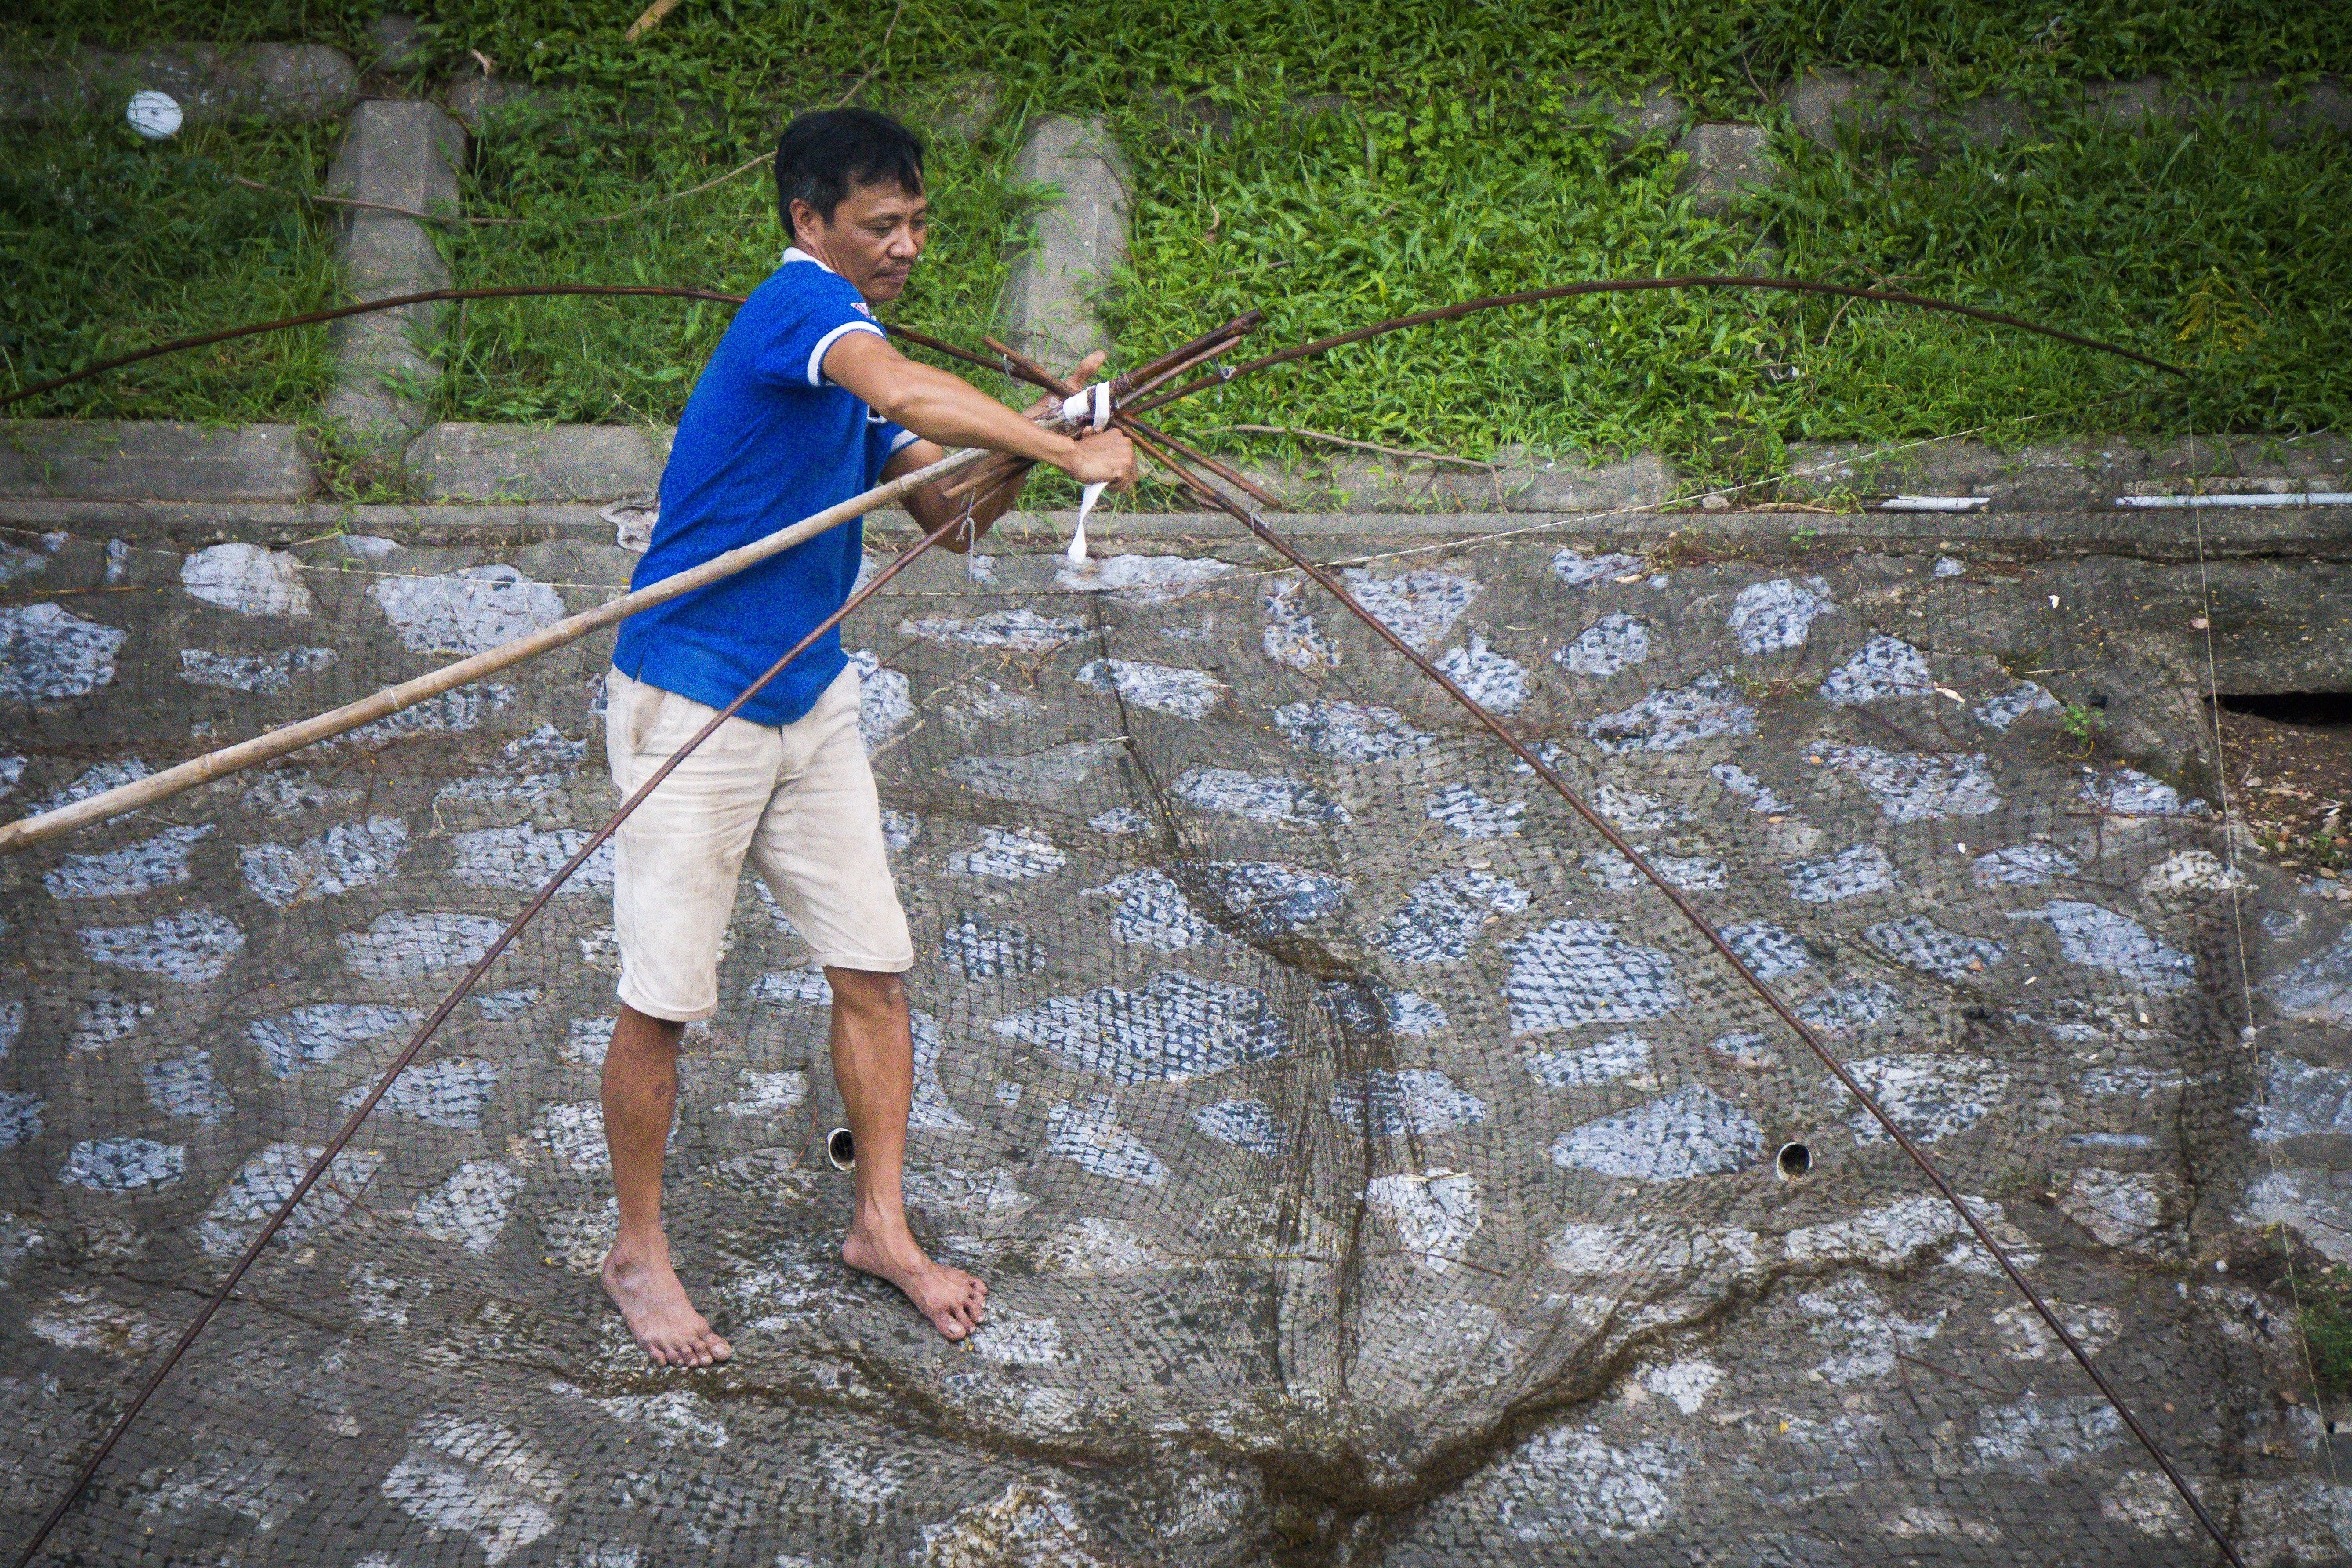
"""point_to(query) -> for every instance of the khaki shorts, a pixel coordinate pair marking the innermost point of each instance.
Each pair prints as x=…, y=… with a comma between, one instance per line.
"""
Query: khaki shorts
x=800, y=800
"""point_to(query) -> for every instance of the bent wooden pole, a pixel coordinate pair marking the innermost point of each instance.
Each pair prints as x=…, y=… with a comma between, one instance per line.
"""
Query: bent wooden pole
x=31, y=830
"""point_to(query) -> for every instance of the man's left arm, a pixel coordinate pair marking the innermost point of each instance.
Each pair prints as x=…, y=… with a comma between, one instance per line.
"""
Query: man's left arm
x=989, y=501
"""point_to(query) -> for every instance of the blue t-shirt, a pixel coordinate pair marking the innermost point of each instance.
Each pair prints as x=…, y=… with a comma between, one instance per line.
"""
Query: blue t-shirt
x=766, y=441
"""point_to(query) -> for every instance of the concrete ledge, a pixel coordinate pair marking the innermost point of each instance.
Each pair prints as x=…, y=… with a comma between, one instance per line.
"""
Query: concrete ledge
x=471, y=97
x=1873, y=105
x=68, y=458
x=1632, y=114
x=281, y=82
x=1515, y=482
x=2085, y=474
x=1725, y=158
x=454, y=461
x=2324, y=532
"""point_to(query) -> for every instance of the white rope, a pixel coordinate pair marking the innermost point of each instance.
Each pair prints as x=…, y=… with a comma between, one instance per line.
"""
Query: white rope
x=1088, y=408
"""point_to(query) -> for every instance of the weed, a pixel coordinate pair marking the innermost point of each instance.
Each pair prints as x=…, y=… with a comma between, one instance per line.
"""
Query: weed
x=114, y=244
x=2327, y=1329
x=2083, y=724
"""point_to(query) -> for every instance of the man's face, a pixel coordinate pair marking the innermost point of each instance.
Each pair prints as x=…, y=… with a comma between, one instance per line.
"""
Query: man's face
x=873, y=238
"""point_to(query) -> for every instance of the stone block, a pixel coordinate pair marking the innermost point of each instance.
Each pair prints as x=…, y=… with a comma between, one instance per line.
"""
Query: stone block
x=962, y=109
x=2325, y=107
x=403, y=154
x=137, y=461
x=278, y=81
x=1725, y=158
x=472, y=96
x=1875, y=105
x=1078, y=240
x=454, y=461
x=1209, y=120
x=397, y=43
x=1632, y=114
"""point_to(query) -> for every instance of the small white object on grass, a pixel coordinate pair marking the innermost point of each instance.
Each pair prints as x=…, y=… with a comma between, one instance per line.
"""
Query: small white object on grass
x=154, y=115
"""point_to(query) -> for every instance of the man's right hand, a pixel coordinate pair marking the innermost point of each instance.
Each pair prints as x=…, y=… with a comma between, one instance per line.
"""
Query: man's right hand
x=1105, y=457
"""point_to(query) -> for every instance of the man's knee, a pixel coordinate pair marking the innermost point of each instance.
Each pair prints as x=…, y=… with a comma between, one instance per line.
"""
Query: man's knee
x=643, y=1041
x=868, y=993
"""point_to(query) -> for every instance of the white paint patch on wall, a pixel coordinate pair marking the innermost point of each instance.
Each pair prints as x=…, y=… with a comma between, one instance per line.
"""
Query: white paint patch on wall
x=305, y=1036
x=524, y=859
x=471, y=1207
x=1487, y=677
x=472, y=1476
x=1092, y=1137
x=468, y=611
x=1436, y=1212
x=47, y=655
x=249, y=579
x=1009, y=855
x=348, y=855
x=405, y=944
x=1158, y=687
x=1885, y=666
x=1669, y=720
x=262, y=672
x=190, y=947
x=1693, y=1131
x=265, y=1181
x=158, y=862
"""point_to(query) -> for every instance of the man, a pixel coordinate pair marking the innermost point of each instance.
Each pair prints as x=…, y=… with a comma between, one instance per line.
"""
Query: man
x=804, y=403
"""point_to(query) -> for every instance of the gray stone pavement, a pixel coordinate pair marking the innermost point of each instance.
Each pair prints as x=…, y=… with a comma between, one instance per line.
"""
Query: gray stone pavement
x=1368, y=1170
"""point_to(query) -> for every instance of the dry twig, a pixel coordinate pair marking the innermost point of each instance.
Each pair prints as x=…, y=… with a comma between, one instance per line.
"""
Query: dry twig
x=650, y=18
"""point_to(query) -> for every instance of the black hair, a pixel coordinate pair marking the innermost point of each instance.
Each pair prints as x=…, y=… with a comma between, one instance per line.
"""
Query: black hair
x=824, y=153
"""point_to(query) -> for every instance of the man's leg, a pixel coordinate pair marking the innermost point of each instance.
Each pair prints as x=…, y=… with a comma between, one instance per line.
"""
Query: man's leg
x=640, y=1100
x=873, y=1065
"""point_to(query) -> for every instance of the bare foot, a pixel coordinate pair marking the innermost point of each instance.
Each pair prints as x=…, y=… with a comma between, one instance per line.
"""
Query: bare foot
x=953, y=1300
x=661, y=1320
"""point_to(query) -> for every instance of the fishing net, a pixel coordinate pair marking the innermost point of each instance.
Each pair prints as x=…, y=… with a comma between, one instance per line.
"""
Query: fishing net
x=1367, y=1165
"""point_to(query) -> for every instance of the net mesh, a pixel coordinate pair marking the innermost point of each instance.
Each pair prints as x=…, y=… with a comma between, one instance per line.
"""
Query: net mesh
x=1367, y=1164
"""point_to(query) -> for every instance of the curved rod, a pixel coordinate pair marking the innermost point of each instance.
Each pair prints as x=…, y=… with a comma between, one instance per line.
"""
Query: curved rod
x=1643, y=285
x=1283, y=357
x=392, y=302
x=1715, y=939
x=1148, y=440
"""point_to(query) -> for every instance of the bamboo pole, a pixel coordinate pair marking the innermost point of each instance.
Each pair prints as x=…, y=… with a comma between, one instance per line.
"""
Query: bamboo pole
x=31, y=830
x=28, y=831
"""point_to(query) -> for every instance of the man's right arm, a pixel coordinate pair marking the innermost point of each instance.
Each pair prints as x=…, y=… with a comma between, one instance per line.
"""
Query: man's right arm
x=952, y=412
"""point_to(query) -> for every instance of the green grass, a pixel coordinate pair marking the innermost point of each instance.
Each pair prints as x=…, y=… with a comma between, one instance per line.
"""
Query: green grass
x=2191, y=245
x=2201, y=244
x=633, y=361
x=1460, y=178
x=2327, y=1329
x=109, y=244
x=1400, y=51
x=1326, y=228
x=34, y=30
